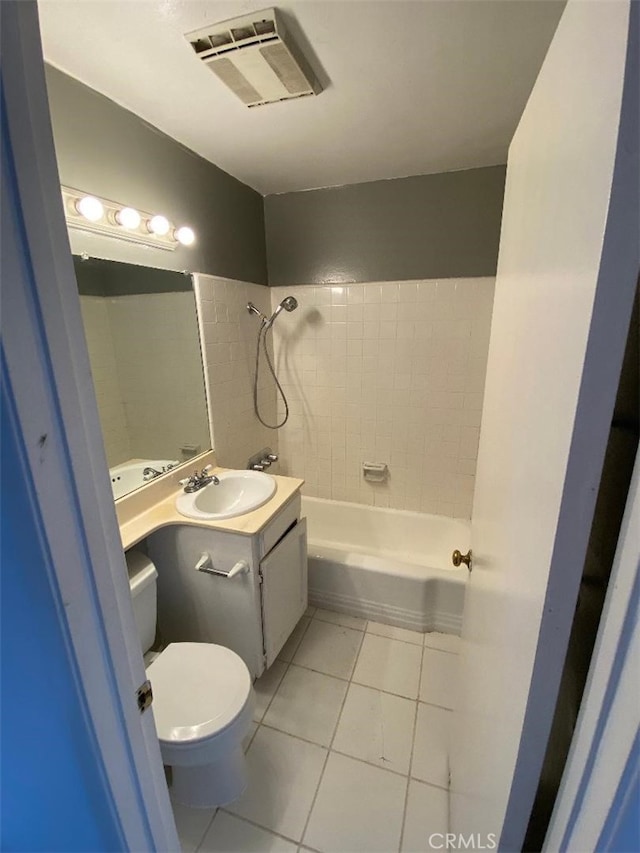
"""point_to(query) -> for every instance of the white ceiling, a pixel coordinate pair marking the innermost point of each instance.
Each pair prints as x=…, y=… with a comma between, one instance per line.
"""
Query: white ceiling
x=414, y=87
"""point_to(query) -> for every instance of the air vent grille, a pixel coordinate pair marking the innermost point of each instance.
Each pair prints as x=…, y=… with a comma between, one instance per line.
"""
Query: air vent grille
x=237, y=82
x=254, y=57
x=285, y=68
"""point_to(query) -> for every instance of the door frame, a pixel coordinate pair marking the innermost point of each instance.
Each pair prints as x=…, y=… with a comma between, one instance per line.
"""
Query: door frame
x=50, y=389
x=595, y=783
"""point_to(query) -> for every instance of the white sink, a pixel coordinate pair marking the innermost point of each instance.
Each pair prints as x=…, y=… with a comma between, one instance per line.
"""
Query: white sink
x=236, y=493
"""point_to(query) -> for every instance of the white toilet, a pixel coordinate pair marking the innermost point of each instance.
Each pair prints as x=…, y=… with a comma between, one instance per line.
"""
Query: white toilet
x=202, y=703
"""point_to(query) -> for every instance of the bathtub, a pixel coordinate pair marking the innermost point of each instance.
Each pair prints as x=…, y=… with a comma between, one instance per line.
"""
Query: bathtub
x=129, y=475
x=388, y=565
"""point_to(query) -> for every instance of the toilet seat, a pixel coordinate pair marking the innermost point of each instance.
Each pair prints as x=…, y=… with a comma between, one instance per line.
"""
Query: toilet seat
x=199, y=689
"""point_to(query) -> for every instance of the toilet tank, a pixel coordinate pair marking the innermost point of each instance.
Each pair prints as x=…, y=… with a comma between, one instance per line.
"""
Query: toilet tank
x=142, y=581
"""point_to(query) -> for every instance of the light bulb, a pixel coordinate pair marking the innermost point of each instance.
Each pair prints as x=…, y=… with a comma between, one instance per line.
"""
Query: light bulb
x=185, y=235
x=128, y=217
x=159, y=225
x=90, y=207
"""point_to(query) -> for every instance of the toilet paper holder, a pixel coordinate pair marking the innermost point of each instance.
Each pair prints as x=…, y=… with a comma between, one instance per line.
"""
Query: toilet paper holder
x=205, y=564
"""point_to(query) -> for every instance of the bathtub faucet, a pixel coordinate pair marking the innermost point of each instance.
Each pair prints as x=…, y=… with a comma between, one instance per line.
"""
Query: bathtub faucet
x=149, y=473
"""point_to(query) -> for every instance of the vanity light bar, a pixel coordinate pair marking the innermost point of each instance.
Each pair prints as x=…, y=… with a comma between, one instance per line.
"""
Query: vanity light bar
x=86, y=212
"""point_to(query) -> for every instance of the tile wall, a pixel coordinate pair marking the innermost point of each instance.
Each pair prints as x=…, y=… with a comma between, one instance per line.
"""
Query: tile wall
x=229, y=339
x=392, y=373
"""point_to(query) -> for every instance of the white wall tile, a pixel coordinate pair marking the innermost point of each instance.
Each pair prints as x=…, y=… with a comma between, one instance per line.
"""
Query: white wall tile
x=230, y=339
x=375, y=367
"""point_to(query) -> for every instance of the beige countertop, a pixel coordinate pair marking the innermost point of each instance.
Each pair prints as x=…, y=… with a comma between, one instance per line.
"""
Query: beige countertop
x=163, y=512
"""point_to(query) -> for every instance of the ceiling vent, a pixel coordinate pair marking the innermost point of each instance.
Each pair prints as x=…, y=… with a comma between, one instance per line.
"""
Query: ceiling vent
x=255, y=58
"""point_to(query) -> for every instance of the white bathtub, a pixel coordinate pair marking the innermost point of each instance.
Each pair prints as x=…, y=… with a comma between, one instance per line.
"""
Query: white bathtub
x=129, y=475
x=388, y=565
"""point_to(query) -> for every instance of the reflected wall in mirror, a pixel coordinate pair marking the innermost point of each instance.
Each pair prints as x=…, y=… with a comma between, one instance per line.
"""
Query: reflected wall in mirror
x=142, y=335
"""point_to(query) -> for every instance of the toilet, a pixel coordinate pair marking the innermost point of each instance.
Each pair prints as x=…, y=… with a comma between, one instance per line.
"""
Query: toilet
x=202, y=703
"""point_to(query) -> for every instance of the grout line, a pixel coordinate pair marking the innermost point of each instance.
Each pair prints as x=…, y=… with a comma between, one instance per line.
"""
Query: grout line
x=355, y=664
x=429, y=784
x=370, y=763
x=433, y=705
x=252, y=736
x=424, y=634
x=315, y=796
x=297, y=737
x=413, y=746
x=333, y=737
x=442, y=651
x=361, y=684
x=202, y=837
x=259, y=826
x=388, y=692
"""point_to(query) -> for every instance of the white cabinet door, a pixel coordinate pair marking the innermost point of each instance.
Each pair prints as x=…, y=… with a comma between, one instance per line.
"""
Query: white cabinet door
x=284, y=589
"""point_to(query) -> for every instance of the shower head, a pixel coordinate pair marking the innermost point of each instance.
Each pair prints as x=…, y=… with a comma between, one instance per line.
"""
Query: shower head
x=289, y=303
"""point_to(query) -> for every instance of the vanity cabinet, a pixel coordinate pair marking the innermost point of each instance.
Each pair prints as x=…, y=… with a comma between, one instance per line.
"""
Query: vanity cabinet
x=252, y=612
x=283, y=584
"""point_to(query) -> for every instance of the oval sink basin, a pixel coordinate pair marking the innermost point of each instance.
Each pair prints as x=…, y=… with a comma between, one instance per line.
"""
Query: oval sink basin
x=237, y=493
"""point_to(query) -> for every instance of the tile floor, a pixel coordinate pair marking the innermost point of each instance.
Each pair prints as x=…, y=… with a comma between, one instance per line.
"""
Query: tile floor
x=349, y=747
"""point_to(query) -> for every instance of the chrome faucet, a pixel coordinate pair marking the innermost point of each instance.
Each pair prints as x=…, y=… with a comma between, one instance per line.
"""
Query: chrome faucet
x=262, y=460
x=149, y=473
x=199, y=480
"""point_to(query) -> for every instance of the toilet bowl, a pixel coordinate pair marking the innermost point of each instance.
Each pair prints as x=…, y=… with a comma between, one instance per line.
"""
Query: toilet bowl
x=203, y=704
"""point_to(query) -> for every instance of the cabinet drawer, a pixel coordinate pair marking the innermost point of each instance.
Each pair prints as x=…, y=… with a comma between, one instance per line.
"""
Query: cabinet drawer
x=276, y=529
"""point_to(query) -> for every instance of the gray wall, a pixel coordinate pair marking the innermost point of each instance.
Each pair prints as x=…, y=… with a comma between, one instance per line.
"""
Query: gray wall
x=109, y=151
x=428, y=226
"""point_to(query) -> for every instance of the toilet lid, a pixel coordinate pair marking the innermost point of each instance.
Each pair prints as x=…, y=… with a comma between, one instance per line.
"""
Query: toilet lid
x=198, y=689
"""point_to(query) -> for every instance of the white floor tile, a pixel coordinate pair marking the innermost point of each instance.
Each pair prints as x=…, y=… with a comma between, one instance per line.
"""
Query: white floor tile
x=230, y=834
x=376, y=727
x=283, y=776
x=290, y=647
x=431, y=745
x=358, y=808
x=444, y=642
x=340, y=619
x=265, y=686
x=389, y=665
x=307, y=704
x=427, y=814
x=439, y=682
x=380, y=630
x=329, y=648
x=191, y=825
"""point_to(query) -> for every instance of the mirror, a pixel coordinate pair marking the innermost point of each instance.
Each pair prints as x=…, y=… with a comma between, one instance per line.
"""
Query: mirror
x=142, y=335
